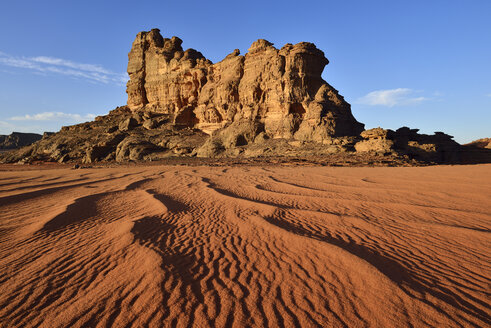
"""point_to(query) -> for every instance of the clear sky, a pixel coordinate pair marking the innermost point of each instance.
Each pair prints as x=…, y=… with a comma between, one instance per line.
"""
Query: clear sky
x=423, y=63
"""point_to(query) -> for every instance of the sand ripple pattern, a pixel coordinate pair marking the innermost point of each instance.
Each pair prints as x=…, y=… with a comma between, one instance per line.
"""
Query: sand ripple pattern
x=246, y=247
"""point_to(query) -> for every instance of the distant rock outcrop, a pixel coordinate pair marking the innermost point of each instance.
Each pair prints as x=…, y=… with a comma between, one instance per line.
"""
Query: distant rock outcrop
x=477, y=151
x=18, y=139
x=438, y=147
x=480, y=143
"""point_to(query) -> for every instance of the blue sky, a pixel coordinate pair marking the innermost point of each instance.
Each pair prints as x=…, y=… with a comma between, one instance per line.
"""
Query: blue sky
x=422, y=64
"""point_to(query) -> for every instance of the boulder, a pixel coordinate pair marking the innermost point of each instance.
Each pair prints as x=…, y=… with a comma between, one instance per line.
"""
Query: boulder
x=134, y=148
x=149, y=124
x=103, y=149
x=376, y=140
x=128, y=124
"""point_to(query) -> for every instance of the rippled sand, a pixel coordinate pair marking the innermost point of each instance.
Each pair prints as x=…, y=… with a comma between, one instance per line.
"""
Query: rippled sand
x=241, y=246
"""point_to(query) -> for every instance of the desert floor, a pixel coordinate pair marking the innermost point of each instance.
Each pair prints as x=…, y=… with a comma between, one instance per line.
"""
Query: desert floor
x=241, y=246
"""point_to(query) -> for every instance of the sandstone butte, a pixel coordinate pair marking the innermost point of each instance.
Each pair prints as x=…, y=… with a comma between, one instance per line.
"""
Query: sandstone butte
x=282, y=90
x=268, y=102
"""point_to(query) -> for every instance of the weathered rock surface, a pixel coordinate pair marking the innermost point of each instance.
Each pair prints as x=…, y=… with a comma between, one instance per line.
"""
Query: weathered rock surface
x=376, y=140
x=438, y=147
x=103, y=140
x=18, y=139
x=280, y=89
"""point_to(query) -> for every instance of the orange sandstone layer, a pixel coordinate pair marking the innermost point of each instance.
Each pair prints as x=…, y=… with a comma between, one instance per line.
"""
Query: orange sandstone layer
x=239, y=246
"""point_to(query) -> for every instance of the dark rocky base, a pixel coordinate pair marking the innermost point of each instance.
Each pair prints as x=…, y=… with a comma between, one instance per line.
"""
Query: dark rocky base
x=125, y=136
x=339, y=160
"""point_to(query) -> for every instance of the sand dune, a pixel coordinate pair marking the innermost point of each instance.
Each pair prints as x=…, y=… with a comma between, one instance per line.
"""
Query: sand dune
x=175, y=246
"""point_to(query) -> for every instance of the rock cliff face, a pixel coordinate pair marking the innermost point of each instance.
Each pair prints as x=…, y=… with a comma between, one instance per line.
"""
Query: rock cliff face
x=281, y=90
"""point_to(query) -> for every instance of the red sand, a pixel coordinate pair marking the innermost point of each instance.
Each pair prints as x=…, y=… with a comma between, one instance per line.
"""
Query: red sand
x=269, y=246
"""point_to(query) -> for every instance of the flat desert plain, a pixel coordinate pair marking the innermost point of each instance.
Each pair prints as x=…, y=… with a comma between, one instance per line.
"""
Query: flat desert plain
x=258, y=246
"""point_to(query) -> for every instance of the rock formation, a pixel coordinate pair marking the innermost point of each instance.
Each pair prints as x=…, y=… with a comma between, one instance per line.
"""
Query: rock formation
x=438, y=147
x=477, y=151
x=480, y=143
x=18, y=139
x=268, y=102
x=282, y=91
